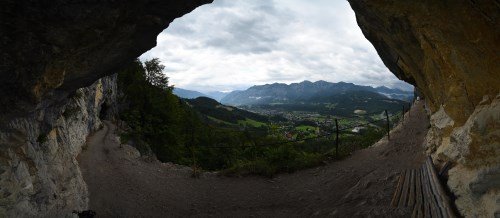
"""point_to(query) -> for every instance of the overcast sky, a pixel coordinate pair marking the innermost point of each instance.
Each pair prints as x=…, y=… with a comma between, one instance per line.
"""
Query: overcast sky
x=234, y=44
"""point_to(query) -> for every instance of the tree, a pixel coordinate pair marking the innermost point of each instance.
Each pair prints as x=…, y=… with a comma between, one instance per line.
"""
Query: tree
x=154, y=74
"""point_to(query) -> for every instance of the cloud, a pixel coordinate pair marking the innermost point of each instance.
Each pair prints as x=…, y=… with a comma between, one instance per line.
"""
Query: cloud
x=234, y=44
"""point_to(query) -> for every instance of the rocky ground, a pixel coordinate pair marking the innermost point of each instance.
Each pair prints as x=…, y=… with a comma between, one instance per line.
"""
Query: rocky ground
x=122, y=184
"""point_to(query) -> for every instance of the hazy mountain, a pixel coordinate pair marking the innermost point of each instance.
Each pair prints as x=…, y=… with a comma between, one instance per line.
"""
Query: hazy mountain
x=217, y=95
x=189, y=94
x=305, y=91
x=395, y=93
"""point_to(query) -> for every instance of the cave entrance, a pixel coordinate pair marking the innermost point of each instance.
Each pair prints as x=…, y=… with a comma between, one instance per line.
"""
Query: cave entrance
x=103, y=111
x=267, y=74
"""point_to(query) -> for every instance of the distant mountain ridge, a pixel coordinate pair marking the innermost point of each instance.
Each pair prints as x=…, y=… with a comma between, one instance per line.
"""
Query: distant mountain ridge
x=190, y=94
x=304, y=91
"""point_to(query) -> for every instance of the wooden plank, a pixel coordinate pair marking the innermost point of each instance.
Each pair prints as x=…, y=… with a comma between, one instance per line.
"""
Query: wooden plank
x=419, y=211
x=437, y=190
x=434, y=210
x=435, y=198
x=415, y=212
x=421, y=190
x=427, y=210
x=444, y=202
x=411, y=197
x=426, y=192
x=397, y=193
x=431, y=192
x=418, y=188
x=418, y=195
x=404, y=191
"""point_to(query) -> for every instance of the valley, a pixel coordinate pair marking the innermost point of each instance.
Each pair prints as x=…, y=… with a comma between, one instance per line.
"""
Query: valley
x=288, y=113
x=304, y=128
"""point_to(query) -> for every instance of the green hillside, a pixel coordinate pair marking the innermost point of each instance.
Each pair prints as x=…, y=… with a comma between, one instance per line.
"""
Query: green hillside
x=222, y=114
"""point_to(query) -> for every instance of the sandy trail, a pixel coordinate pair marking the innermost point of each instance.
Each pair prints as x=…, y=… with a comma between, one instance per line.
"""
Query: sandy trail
x=121, y=184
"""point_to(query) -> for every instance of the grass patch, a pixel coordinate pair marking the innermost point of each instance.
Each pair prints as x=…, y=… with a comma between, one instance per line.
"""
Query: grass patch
x=220, y=121
x=305, y=128
x=250, y=122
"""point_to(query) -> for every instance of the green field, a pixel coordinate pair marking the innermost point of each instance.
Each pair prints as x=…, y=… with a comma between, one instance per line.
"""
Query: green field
x=305, y=128
x=219, y=121
x=250, y=122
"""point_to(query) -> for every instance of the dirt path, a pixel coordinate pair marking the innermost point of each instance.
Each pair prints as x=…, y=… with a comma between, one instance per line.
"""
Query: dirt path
x=121, y=184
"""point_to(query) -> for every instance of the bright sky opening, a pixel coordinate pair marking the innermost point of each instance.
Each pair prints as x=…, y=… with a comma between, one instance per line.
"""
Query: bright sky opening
x=234, y=44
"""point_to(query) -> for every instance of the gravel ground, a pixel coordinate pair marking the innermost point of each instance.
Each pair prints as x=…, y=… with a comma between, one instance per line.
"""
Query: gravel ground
x=122, y=184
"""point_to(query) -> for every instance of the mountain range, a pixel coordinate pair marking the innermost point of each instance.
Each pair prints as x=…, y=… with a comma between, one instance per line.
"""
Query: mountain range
x=295, y=92
x=190, y=94
x=306, y=91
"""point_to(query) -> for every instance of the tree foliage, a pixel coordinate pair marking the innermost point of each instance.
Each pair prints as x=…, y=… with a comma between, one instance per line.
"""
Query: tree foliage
x=154, y=74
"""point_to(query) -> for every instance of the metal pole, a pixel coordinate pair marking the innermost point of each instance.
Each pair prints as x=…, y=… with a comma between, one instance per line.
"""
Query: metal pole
x=388, y=127
x=337, y=138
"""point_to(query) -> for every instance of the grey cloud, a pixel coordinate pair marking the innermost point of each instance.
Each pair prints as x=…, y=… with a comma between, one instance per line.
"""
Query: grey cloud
x=233, y=44
x=181, y=30
x=245, y=36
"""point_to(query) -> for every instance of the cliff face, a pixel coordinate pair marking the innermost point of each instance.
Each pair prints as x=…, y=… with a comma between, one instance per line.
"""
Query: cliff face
x=450, y=51
x=39, y=175
x=49, y=49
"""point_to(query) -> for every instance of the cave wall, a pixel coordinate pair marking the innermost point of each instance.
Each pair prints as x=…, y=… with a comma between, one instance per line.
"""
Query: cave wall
x=39, y=174
x=52, y=54
x=49, y=48
x=450, y=50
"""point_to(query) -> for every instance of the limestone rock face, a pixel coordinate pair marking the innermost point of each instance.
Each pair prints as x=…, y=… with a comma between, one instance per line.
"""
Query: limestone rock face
x=50, y=48
x=39, y=174
x=450, y=51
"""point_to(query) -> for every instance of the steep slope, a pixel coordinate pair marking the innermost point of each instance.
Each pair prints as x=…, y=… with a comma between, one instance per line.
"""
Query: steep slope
x=449, y=50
